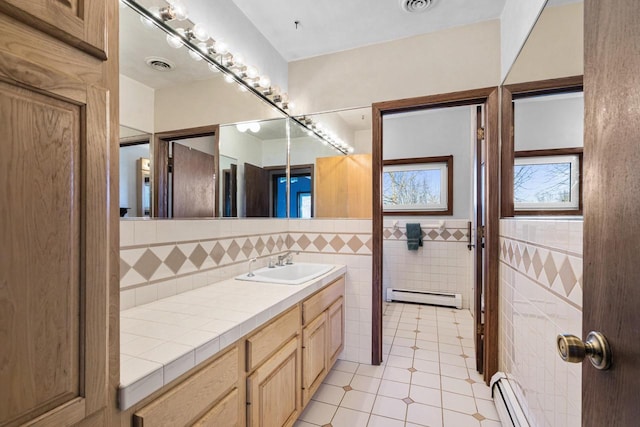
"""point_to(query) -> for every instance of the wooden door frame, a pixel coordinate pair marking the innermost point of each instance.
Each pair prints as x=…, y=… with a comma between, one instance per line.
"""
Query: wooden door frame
x=160, y=159
x=489, y=97
x=509, y=92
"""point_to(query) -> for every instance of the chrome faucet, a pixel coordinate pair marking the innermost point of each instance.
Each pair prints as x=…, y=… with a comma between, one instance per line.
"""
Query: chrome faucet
x=251, y=261
x=286, y=256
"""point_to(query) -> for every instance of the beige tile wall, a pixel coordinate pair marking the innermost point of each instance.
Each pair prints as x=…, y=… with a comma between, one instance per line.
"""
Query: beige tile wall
x=160, y=258
x=541, y=297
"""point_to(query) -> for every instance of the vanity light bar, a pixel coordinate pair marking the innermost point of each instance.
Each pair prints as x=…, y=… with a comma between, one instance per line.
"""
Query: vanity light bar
x=220, y=58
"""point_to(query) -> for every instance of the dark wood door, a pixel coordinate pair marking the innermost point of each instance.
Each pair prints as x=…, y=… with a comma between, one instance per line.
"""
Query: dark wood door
x=611, y=209
x=256, y=190
x=230, y=189
x=478, y=240
x=193, y=186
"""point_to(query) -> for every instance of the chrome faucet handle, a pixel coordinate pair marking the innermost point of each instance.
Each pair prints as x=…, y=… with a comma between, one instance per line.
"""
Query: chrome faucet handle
x=289, y=259
x=271, y=263
x=251, y=261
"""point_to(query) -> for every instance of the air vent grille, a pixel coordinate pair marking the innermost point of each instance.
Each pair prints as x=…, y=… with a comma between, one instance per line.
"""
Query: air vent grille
x=159, y=64
x=415, y=6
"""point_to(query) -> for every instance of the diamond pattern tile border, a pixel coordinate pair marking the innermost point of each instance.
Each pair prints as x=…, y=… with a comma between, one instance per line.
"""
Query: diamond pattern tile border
x=229, y=250
x=543, y=265
x=428, y=234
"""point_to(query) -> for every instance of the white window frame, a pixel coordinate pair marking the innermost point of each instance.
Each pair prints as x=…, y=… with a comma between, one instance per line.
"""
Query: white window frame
x=440, y=166
x=573, y=204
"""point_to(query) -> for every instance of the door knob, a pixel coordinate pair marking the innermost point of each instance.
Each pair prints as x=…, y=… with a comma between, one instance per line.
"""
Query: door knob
x=596, y=347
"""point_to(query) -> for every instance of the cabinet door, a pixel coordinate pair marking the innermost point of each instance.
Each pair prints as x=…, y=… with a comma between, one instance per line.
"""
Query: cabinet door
x=314, y=356
x=79, y=23
x=273, y=390
x=223, y=414
x=335, y=316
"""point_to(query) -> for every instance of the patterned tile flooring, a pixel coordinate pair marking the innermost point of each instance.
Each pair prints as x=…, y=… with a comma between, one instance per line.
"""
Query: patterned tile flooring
x=428, y=377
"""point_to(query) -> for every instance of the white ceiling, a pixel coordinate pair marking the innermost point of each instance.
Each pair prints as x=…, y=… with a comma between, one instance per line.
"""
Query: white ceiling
x=334, y=25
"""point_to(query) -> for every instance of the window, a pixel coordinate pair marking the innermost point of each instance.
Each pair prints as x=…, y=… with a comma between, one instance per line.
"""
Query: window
x=547, y=180
x=421, y=186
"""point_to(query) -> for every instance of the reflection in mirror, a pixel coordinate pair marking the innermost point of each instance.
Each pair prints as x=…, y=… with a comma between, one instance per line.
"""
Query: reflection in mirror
x=165, y=90
x=325, y=182
x=135, y=176
x=542, y=113
x=255, y=156
x=548, y=158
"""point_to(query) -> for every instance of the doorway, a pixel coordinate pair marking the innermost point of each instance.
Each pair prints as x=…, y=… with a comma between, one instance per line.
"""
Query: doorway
x=487, y=101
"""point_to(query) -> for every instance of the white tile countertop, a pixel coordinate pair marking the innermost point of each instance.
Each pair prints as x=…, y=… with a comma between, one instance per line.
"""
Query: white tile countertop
x=164, y=339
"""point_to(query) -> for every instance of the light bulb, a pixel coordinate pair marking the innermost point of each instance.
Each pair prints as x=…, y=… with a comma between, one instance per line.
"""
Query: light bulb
x=264, y=81
x=155, y=11
x=292, y=106
x=213, y=68
x=221, y=47
x=252, y=72
x=254, y=127
x=195, y=55
x=175, y=41
x=200, y=32
x=180, y=10
x=285, y=98
x=242, y=127
x=238, y=60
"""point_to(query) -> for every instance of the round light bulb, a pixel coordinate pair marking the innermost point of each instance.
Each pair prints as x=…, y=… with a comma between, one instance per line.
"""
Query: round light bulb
x=238, y=60
x=242, y=127
x=254, y=127
x=200, y=32
x=264, y=82
x=221, y=47
x=180, y=10
x=252, y=72
x=213, y=68
x=175, y=41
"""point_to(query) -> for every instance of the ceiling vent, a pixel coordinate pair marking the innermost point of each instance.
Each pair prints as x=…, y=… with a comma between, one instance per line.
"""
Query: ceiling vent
x=159, y=64
x=415, y=6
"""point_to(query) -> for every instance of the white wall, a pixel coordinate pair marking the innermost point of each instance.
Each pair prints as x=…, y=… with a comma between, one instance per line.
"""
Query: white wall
x=226, y=21
x=555, y=47
x=128, y=175
x=207, y=102
x=436, y=132
x=136, y=105
x=554, y=121
x=445, y=61
x=517, y=20
x=205, y=144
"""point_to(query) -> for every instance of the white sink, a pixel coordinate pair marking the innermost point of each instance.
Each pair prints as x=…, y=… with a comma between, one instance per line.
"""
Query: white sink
x=292, y=274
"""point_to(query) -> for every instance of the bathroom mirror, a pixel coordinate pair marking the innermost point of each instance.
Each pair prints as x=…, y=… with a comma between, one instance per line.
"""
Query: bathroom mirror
x=326, y=182
x=542, y=117
x=164, y=90
x=135, y=173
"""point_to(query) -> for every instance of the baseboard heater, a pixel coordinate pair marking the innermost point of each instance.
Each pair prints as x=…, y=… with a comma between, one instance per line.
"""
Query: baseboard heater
x=507, y=405
x=445, y=299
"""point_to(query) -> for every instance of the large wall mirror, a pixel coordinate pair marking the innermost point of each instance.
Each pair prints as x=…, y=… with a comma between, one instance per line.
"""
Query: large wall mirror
x=214, y=149
x=543, y=115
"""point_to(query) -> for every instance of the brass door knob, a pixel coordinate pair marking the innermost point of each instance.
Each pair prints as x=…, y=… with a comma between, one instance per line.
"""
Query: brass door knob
x=596, y=347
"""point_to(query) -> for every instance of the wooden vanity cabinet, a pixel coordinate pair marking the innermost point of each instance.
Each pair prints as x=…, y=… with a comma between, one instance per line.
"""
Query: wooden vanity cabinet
x=273, y=367
x=322, y=335
x=209, y=397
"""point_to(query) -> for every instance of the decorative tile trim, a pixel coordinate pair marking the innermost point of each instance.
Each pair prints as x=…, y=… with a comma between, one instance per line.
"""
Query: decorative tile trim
x=142, y=265
x=449, y=234
x=557, y=271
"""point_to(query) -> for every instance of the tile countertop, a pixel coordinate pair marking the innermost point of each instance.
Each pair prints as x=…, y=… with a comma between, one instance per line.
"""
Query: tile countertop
x=164, y=339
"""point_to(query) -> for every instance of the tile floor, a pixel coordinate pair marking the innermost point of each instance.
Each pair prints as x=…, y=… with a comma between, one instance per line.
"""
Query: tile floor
x=428, y=377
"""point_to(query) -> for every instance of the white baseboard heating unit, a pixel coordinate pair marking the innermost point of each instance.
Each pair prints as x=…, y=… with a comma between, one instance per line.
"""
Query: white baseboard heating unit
x=445, y=299
x=507, y=405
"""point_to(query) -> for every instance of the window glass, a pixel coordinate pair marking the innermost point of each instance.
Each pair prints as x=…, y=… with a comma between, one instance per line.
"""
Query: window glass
x=546, y=182
x=415, y=187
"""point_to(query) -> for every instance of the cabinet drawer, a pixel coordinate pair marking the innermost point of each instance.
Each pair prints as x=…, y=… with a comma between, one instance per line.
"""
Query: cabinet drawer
x=271, y=337
x=183, y=403
x=319, y=302
x=224, y=414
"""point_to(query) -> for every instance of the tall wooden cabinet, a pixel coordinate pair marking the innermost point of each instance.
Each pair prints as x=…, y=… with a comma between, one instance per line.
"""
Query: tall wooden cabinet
x=58, y=172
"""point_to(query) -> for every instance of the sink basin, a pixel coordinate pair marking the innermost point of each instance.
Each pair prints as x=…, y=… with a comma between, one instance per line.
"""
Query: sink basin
x=292, y=274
